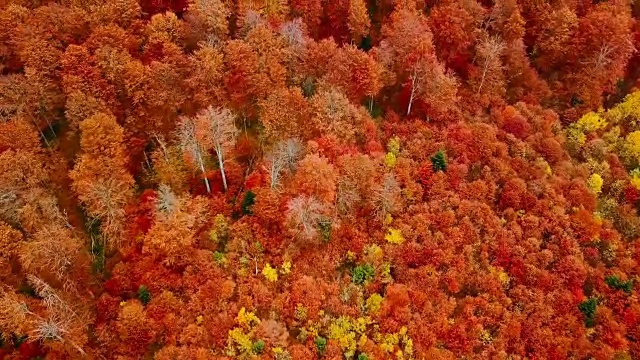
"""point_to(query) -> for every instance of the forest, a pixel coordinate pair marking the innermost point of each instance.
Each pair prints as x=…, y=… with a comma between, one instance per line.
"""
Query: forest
x=320, y=179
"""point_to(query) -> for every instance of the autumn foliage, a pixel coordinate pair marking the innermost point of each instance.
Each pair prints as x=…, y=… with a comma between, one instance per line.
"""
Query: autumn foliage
x=307, y=179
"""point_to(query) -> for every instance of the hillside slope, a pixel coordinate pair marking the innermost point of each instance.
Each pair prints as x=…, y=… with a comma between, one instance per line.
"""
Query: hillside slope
x=381, y=179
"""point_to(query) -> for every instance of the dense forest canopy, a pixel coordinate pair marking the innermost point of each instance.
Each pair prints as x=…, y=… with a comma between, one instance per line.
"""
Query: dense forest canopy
x=319, y=179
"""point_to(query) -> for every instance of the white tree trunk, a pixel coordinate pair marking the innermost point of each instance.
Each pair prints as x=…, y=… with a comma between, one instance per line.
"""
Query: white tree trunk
x=413, y=91
x=484, y=73
x=274, y=172
x=41, y=133
x=204, y=173
x=221, y=163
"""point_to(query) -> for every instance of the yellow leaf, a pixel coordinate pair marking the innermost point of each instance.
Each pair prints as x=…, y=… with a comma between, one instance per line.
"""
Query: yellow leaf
x=393, y=146
x=351, y=256
x=632, y=145
x=394, y=236
x=270, y=273
x=597, y=217
x=591, y=122
x=285, y=268
x=373, y=303
x=247, y=318
x=595, y=183
x=635, y=178
x=486, y=337
x=390, y=160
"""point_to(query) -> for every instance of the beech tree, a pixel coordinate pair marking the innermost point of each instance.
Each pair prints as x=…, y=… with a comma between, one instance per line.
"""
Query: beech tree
x=283, y=114
x=282, y=157
x=347, y=68
x=100, y=177
x=215, y=129
x=241, y=80
x=271, y=10
x=311, y=13
x=334, y=115
x=316, y=177
x=304, y=215
x=32, y=98
x=455, y=28
x=54, y=250
x=407, y=48
x=489, y=53
x=210, y=17
x=385, y=197
x=207, y=70
x=359, y=22
x=191, y=147
x=172, y=236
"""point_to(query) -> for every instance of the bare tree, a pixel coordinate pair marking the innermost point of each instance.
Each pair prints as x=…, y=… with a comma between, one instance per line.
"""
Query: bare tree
x=490, y=51
x=61, y=317
x=347, y=195
x=167, y=201
x=10, y=203
x=388, y=54
x=60, y=323
x=284, y=155
x=601, y=59
x=216, y=129
x=108, y=194
x=275, y=166
x=52, y=249
x=251, y=20
x=292, y=151
x=415, y=81
x=294, y=33
x=430, y=82
x=608, y=52
x=190, y=146
x=385, y=197
x=303, y=216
